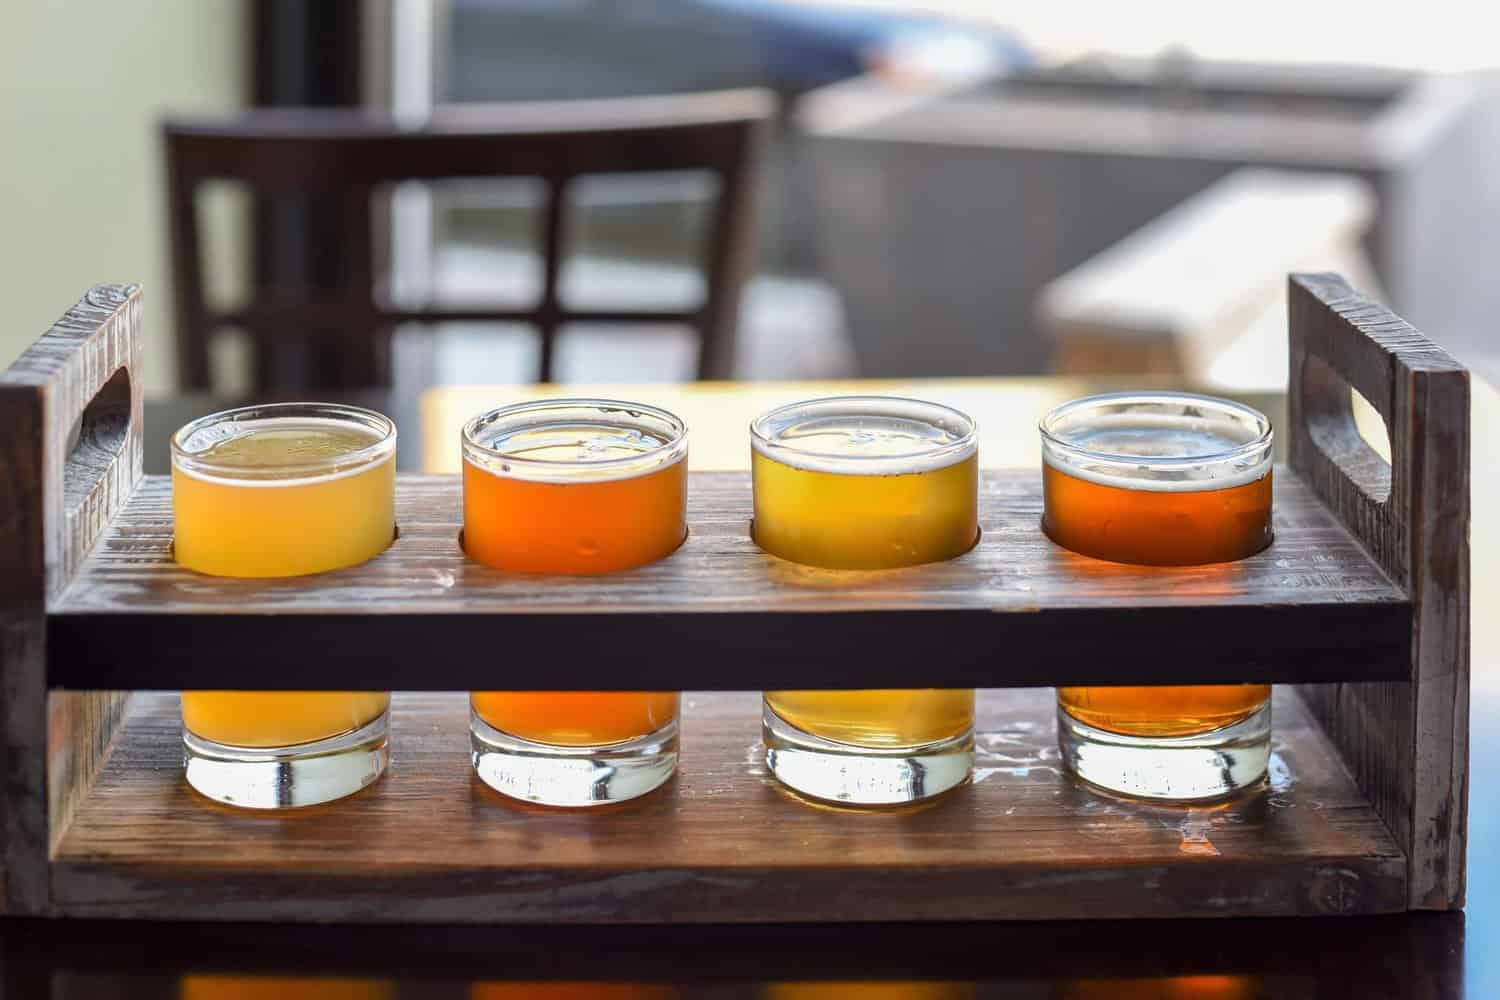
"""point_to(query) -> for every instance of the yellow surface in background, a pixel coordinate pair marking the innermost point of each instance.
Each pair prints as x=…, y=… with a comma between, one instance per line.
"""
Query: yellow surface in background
x=718, y=414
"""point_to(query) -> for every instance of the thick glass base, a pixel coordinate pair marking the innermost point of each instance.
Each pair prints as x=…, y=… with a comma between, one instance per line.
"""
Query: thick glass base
x=572, y=776
x=288, y=777
x=864, y=776
x=1180, y=769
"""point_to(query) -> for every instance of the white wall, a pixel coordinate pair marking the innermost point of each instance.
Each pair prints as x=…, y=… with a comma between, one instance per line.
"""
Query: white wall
x=82, y=191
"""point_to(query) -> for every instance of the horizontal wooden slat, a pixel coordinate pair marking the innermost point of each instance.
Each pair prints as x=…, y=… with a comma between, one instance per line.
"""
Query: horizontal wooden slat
x=720, y=614
x=722, y=843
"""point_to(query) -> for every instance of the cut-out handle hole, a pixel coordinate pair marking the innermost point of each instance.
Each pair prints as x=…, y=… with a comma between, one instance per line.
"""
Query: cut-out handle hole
x=96, y=439
x=1347, y=428
x=1371, y=425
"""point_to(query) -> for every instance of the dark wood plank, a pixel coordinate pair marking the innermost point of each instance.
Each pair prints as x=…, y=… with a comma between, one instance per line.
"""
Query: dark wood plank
x=70, y=451
x=720, y=614
x=722, y=843
x=1407, y=744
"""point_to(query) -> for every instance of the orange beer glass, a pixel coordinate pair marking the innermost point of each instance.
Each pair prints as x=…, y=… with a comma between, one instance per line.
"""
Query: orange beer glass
x=1161, y=479
x=574, y=487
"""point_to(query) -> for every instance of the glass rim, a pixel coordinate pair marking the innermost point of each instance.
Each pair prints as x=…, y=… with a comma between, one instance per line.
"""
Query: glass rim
x=1226, y=406
x=677, y=424
x=378, y=449
x=965, y=442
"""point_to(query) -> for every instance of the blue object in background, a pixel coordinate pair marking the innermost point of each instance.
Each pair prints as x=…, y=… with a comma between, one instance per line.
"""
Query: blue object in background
x=541, y=49
x=800, y=47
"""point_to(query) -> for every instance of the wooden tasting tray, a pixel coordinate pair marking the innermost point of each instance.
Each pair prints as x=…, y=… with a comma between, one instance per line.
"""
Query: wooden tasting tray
x=1359, y=608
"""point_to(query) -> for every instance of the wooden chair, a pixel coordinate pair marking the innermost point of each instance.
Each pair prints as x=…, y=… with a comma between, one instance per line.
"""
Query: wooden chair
x=338, y=157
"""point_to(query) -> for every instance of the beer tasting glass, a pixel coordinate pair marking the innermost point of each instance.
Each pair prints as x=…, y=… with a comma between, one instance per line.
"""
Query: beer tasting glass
x=276, y=491
x=1161, y=479
x=574, y=487
x=866, y=483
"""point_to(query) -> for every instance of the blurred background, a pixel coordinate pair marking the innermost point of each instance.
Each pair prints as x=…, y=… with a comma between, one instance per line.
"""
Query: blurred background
x=938, y=188
x=948, y=187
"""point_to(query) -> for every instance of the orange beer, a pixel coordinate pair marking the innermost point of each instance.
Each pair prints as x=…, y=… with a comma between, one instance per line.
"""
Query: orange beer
x=1162, y=480
x=272, y=491
x=572, y=487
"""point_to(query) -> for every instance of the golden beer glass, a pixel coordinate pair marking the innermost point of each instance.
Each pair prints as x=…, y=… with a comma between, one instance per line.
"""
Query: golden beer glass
x=574, y=487
x=866, y=483
x=1161, y=479
x=282, y=490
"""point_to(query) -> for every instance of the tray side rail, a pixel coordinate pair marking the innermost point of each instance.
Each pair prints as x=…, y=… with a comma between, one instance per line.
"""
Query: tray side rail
x=70, y=409
x=1406, y=743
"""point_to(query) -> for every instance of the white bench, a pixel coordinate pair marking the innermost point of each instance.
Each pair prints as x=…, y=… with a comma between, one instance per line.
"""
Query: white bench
x=1199, y=294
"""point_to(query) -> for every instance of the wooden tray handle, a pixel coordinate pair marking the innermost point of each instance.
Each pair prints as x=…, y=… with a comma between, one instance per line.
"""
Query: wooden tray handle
x=1407, y=743
x=70, y=456
x=78, y=391
x=1341, y=339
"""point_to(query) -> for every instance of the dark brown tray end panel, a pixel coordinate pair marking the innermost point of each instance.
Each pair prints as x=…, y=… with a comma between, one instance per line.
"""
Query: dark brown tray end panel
x=70, y=448
x=1407, y=744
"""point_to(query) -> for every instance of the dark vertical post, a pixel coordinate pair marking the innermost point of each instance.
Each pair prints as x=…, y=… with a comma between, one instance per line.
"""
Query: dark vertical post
x=309, y=55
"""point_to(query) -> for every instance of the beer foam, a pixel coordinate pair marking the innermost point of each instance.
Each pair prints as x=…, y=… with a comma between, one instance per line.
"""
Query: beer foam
x=280, y=451
x=858, y=444
x=569, y=451
x=1162, y=452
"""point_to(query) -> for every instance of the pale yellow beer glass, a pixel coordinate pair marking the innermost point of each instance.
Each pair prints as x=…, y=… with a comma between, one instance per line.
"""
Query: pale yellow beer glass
x=867, y=483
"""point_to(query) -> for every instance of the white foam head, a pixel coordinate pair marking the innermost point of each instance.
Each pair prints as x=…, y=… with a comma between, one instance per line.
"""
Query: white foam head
x=306, y=443
x=865, y=435
x=574, y=440
x=1165, y=442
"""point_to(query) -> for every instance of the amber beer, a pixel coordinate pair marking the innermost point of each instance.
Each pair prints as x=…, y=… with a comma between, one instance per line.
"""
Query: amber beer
x=576, y=488
x=866, y=483
x=1162, y=479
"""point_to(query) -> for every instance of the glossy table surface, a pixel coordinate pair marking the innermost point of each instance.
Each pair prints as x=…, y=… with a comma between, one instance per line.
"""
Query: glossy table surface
x=1418, y=955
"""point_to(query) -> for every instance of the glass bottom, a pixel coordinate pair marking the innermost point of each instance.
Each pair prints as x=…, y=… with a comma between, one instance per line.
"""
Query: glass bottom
x=554, y=775
x=1194, y=768
x=867, y=776
x=288, y=777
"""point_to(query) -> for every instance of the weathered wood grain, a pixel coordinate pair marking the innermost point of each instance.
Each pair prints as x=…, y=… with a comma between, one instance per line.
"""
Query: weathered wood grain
x=1407, y=744
x=722, y=843
x=720, y=614
x=70, y=453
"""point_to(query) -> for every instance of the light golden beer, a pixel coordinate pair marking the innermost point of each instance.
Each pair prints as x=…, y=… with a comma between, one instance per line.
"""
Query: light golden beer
x=1159, y=480
x=274, y=491
x=866, y=483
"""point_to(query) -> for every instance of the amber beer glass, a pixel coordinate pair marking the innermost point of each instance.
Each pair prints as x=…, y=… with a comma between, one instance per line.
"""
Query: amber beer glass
x=574, y=487
x=866, y=483
x=1161, y=479
x=272, y=491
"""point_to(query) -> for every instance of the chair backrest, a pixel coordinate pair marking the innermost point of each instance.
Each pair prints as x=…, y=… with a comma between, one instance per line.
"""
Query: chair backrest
x=339, y=157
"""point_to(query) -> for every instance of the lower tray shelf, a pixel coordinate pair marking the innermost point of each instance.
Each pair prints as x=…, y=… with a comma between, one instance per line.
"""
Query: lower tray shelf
x=722, y=843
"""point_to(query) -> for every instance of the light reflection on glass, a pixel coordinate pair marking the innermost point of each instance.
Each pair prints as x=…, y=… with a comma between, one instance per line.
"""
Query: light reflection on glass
x=570, y=991
x=284, y=988
x=1165, y=988
x=869, y=990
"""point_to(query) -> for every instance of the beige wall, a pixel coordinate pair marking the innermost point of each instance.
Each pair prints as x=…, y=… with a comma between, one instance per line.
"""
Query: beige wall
x=81, y=186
